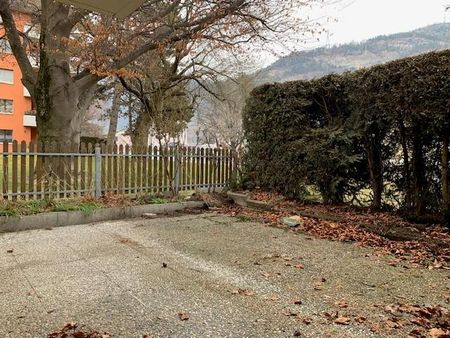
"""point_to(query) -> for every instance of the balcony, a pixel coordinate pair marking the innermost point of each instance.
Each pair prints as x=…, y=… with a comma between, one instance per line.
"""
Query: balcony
x=26, y=93
x=29, y=118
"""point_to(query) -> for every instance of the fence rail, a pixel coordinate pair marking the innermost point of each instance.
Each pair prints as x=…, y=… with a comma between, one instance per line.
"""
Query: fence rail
x=43, y=170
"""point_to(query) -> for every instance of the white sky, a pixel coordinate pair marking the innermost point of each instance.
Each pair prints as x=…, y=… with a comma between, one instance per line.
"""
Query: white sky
x=363, y=19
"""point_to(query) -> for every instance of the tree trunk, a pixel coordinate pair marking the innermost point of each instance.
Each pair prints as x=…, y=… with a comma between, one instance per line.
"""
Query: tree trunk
x=62, y=119
x=445, y=178
x=114, y=116
x=139, y=135
x=375, y=170
x=61, y=102
x=406, y=171
x=419, y=181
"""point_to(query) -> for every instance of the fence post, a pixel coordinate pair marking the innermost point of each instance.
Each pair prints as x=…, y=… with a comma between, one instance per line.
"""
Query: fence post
x=98, y=171
x=177, y=171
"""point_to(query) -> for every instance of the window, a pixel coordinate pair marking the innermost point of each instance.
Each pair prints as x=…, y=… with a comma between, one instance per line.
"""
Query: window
x=6, y=76
x=5, y=47
x=6, y=135
x=6, y=106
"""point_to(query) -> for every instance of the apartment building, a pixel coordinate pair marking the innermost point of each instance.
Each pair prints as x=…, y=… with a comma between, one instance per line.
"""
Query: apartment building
x=17, y=117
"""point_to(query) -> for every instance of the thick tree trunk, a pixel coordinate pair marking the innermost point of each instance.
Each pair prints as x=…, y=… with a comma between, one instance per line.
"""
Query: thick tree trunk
x=140, y=132
x=61, y=101
x=62, y=119
x=114, y=116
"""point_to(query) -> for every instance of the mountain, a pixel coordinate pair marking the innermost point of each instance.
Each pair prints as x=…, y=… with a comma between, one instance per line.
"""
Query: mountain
x=322, y=61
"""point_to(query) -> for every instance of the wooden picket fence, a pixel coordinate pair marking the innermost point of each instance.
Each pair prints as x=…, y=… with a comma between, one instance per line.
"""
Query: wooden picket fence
x=42, y=170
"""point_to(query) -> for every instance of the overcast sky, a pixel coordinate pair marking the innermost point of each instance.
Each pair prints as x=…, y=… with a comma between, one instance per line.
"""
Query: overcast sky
x=362, y=19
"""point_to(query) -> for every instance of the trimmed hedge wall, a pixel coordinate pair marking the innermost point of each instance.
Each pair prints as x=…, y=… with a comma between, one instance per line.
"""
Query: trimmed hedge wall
x=384, y=128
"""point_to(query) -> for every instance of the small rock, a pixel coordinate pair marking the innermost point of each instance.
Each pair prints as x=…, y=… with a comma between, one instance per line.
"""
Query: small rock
x=292, y=222
x=164, y=265
x=10, y=251
x=297, y=333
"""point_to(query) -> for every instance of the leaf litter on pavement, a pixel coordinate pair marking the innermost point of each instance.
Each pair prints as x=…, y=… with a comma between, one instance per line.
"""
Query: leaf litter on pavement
x=411, y=246
x=386, y=232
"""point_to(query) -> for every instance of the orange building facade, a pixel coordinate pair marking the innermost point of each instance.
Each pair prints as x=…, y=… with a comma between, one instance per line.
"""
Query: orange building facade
x=17, y=117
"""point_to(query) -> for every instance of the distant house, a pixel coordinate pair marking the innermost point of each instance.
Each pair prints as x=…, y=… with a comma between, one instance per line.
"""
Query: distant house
x=122, y=138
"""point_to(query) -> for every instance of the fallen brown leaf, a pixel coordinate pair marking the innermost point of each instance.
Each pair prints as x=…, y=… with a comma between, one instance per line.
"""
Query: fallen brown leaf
x=318, y=287
x=360, y=319
x=292, y=313
x=243, y=292
x=183, y=315
x=415, y=334
x=439, y=333
x=70, y=325
x=342, y=321
x=393, y=324
x=421, y=321
x=307, y=320
x=342, y=304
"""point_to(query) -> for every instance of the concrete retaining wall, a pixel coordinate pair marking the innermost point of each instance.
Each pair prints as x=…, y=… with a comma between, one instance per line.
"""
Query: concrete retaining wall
x=64, y=218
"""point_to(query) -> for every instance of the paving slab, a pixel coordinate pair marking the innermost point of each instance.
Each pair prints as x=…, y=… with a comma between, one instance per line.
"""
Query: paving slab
x=233, y=278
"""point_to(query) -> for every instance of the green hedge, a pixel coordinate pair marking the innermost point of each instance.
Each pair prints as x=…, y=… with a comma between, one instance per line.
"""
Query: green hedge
x=387, y=126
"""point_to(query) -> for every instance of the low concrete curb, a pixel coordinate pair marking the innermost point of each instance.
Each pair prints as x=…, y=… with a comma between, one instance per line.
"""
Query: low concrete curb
x=244, y=201
x=254, y=204
x=238, y=198
x=63, y=218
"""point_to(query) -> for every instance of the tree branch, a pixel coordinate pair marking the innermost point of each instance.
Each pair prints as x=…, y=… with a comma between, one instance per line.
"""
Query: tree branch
x=29, y=76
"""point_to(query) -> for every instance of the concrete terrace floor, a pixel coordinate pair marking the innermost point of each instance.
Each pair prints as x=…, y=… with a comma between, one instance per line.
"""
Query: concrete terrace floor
x=234, y=279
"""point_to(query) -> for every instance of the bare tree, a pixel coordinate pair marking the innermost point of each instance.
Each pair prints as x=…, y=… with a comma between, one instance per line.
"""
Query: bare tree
x=76, y=48
x=220, y=114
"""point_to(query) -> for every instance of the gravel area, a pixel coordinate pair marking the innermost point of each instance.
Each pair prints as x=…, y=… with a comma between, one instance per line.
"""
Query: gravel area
x=224, y=277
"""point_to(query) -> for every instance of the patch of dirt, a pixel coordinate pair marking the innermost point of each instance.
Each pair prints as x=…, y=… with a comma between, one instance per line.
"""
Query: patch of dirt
x=212, y=199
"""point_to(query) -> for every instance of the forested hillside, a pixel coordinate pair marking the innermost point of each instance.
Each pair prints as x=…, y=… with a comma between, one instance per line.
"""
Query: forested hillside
x=322, y=61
